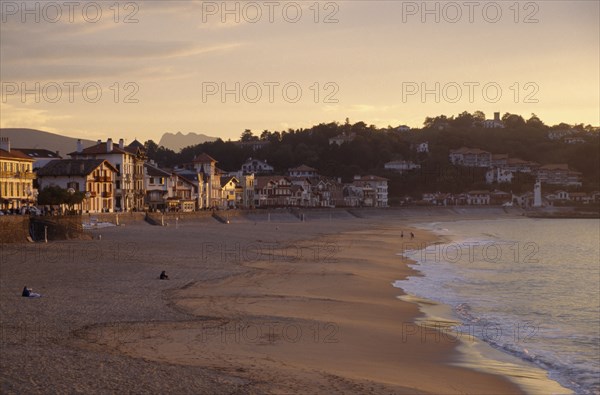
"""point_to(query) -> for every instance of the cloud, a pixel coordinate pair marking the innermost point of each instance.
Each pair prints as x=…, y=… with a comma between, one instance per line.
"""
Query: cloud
x=23, y=117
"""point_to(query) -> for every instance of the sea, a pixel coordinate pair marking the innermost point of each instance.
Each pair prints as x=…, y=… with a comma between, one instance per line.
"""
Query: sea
x=527, y=287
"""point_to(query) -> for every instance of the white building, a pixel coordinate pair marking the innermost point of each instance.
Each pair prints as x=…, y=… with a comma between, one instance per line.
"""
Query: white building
x=302, y=171
x=423, y=147
x=401, y=166
x=256, y=166
x=498, y=175
x=493, y=123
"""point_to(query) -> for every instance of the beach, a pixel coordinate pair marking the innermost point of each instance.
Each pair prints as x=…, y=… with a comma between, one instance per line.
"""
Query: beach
x=252, y=306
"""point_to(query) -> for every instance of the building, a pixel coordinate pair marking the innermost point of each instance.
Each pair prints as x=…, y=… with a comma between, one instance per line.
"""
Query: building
x=498, y=175
x=272, y=191
x=422, y=147
x=403, y=128
x=519, y=165
x=256, y=145
x=93, y=177
x=302, y=171
x=256, y=166
x=342, y=138
x=470, y=157
x=231, y=192
x=401, y=166
x=129, y=161
x=41, y=157
x=16, y=178
x=558, y=134
x=478, y=198
x=159, y=187
x=499, y=160
x=559, y=174
x=493, y=123
x=209, y=181
x=374, y=190
x=573, y=140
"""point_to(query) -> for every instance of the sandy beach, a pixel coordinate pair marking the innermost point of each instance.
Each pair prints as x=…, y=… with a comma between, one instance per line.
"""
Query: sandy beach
x=250, y=307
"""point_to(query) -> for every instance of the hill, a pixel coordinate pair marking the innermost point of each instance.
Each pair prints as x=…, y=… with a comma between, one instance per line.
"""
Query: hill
x=32, y=138
x=177, y=141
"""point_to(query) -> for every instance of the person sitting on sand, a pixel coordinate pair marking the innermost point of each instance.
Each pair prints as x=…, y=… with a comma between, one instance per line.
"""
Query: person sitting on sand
x=163, y=275
x=28, y=293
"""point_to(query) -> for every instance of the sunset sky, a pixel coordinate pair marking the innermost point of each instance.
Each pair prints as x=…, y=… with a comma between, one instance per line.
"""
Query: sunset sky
x=365, y=64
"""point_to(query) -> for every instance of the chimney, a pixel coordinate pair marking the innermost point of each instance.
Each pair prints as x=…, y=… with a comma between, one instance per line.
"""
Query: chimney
x=109, y=145
x=5, y=144
x=79, y=146
x=496, y=116
x=99, y=142
x=121, y=143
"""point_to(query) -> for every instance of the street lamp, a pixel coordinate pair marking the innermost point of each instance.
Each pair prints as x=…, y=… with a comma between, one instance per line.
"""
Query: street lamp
x=71, y=192
x=88, y=195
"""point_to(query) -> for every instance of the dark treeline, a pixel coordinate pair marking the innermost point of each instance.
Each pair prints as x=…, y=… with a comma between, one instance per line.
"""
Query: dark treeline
x=372, y=147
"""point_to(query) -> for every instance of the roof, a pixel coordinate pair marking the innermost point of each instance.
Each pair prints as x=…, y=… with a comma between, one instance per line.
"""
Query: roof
x=261, y=181
x=16, y=155
x=370, y=178
x=100, y=149
x=154, y=171
x=38, y=153
x=303, y=168
x=135, y=147
x=478, y=192
x=225, y=180
x=466, y=150
x=555, y=166
x=204, y=158
x=499, y=156
x=72, y=167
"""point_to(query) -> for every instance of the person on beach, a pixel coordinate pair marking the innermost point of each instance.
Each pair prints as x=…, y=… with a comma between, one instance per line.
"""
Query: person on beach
x=163, y=275
x=401, y=234
x=412, y=235
x=28, y=293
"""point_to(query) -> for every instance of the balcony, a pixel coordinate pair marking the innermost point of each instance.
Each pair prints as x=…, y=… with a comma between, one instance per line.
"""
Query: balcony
x=25, y=174
x=102, y=179
x=107, y=194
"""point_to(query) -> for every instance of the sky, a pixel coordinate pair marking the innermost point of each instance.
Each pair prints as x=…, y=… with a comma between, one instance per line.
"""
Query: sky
x=138, y=69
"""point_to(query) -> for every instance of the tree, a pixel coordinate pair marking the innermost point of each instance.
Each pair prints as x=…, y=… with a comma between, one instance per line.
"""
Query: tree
x=248, y=136
x=513, y=120
x=56, y=196
x=535, y=122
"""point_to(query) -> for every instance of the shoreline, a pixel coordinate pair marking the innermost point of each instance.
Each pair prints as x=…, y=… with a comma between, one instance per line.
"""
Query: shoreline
x=333, y=295
x=475, y=352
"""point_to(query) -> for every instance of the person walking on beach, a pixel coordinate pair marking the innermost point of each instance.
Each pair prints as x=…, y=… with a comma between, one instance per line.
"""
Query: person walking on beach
x=28, y=293
x=163, y=275
x=412, y=235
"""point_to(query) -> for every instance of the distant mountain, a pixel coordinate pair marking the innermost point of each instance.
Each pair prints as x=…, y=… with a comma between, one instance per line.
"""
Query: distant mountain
x=177, y=141
x=31, y=138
